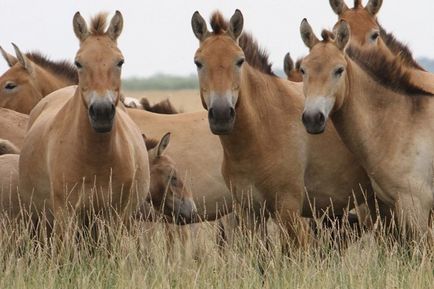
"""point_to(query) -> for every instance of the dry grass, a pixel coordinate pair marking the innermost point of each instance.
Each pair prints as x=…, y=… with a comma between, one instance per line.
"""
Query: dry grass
x=141, y=258
x=184, y=100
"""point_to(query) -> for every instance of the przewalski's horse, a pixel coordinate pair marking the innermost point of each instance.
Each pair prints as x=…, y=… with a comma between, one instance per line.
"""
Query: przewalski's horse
x=367, y=33
x=167, y=191
x=198, y=156
x=267, y=155
x=82, y=151
x=292, y=70
x=384, y=119
x=30, y=78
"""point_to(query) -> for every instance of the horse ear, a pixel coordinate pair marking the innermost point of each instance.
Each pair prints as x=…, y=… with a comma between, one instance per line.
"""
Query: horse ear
x=10, y=59
x=162, y=145
x=374, y=6
x=199, y=27
x=80, y=27
x=23, y=60
x=288, y=64
x=306, y=32
x=116, y=25
x=338, y=6
x=236, y=24
x=342, y=32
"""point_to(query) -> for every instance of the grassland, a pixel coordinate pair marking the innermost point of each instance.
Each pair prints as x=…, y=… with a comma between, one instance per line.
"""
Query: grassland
x=143, y=258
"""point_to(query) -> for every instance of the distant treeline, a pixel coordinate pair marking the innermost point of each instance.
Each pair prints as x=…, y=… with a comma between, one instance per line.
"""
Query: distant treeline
x=173, y=82
x=161, y=82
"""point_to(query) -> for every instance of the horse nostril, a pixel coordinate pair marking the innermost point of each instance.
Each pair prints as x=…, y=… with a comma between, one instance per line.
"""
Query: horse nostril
x=92, y=111
x=232, y=112
x=320, y=117
x=211, y=113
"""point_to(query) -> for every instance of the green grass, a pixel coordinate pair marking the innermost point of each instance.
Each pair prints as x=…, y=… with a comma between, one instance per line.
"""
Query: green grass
x=142, y=257
x=161, y=82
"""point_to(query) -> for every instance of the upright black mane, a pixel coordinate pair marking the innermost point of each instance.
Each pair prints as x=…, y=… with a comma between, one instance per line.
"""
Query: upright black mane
x=255, y=56
x=62, y=68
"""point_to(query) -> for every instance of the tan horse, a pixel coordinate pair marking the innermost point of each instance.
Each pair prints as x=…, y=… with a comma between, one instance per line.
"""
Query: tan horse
x=198, y=156
x=367, y=33
x=292, y=71
x=167, y=191
x=82, y=150
x=31, y=77
x=381, y=116
x=267, y=154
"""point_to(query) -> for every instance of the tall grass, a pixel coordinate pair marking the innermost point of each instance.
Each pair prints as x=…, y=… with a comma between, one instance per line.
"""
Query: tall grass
x=142, y=257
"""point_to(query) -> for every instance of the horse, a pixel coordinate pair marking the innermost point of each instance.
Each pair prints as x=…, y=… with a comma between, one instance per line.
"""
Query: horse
x=292, y=71
x=381, y=116
x=167, y=191
x=367, y=33
x=268, y=158
x=198, y=157
x=82, y=151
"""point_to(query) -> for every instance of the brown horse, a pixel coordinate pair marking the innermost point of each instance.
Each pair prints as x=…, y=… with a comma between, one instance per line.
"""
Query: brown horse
x=167, y=191
x=267, y=155
x=82, y=151
x=30, y=78
x=367, y=33
x=191, y=144
x=382, y=117
x=292, y=71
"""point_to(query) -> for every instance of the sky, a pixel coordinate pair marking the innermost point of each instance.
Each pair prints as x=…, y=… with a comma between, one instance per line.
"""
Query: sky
x=157, y=35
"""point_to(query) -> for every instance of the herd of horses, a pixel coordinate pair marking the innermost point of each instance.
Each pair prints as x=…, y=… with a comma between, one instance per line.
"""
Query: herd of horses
x=72, y=143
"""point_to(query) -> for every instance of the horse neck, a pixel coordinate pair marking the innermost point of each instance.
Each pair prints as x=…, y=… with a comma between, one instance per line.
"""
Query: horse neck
x=79, y=129
x=49, y=82
x=259, y=108
x=370, y=114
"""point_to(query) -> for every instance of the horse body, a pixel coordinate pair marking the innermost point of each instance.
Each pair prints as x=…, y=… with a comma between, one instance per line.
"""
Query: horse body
x=13, y=126
x=82, y=151
x=386, y=124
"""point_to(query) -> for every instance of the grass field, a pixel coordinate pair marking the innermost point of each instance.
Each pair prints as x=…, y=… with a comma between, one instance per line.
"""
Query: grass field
x=142, y=258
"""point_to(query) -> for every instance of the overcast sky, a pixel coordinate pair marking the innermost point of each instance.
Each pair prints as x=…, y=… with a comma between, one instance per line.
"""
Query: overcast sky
x=157, y=35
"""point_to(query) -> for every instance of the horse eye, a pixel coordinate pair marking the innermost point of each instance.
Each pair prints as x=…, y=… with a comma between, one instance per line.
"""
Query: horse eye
x=78, y=64
x=375, y=35
x=198, y=64
x=240, y=62
x=10, y=85
x=339, y=71
x=120, y=63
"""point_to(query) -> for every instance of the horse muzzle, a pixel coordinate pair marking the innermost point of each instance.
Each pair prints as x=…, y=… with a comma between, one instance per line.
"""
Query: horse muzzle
x=314, y=121
x=101, y=114
x=221, y=116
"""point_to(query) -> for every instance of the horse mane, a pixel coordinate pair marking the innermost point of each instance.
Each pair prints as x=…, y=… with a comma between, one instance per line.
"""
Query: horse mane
x=255, y=56
x=391, y=74
x=399, y=49
x=62, y=68
x=162, y=107
x=357, y=3
x=98, y=24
